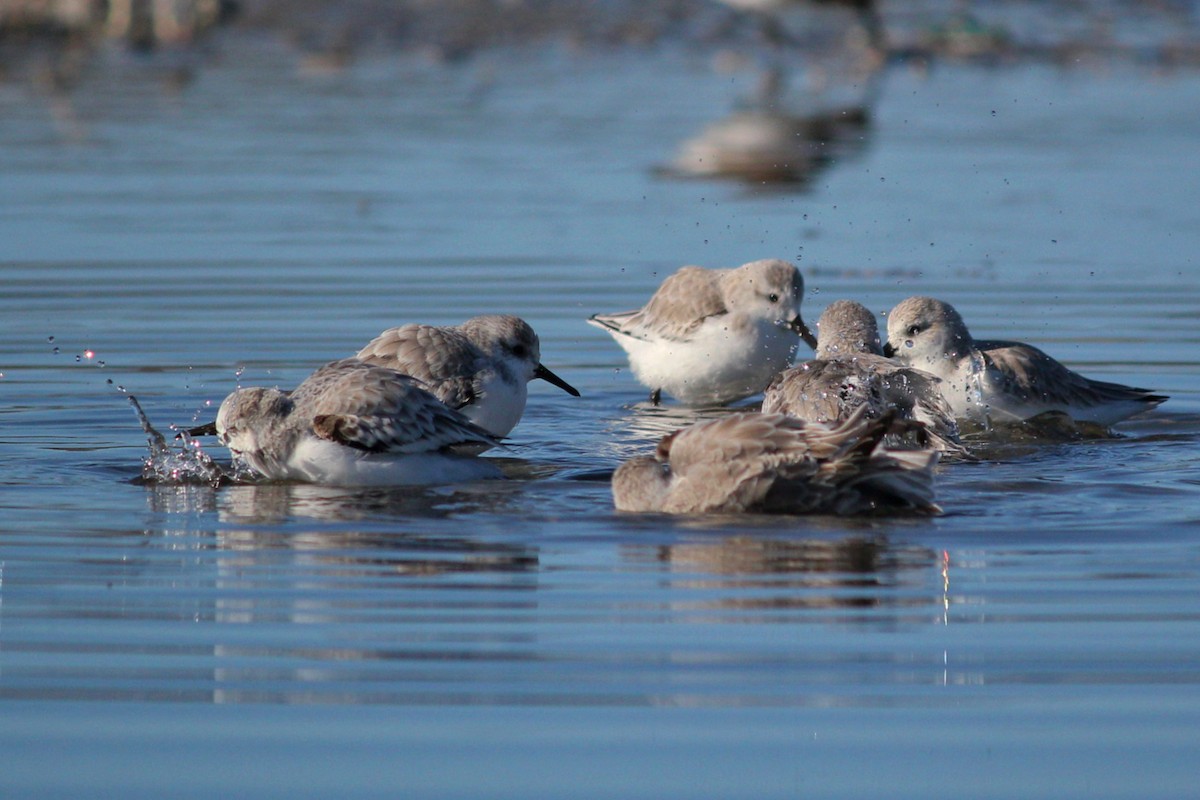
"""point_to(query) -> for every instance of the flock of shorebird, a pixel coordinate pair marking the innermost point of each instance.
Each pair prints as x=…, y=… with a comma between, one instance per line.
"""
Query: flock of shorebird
x=858, y=428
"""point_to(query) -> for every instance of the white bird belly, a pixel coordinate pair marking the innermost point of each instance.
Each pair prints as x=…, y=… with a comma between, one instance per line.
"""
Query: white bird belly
x=719, y=365
x=319, y=461
x=499, y=406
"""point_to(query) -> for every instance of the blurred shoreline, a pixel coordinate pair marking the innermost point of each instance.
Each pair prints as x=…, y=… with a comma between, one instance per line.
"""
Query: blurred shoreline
x=1159, y=33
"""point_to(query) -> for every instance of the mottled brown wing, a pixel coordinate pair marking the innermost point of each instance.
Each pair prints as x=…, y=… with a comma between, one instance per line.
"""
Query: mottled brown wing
x=677, y=309
x=825, y=391
x=377, y=409
x=441, y=358
x=734, y=462
x=1023, y=371
x=918, y=396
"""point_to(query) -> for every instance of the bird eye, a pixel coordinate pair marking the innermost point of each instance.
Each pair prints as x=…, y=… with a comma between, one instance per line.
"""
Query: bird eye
x=774, y=298
x=520, y=350
x=913, y=330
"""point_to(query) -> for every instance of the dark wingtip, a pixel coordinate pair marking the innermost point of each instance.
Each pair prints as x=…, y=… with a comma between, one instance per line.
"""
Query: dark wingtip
x=600, y=321
x=550, y=377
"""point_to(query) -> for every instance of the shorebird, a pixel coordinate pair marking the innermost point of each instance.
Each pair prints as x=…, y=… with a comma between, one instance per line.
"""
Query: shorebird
x=1000, y=381
x=713, y=336
x=351, y=423
x=751, y=461
x=850, y=371
x=481, y=368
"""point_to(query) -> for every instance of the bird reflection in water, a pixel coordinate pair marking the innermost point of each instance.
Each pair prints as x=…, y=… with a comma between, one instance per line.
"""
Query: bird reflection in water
x=772, y=574
x=360, y=554
x=277, y=502
x=350, y=616
x=646, y=422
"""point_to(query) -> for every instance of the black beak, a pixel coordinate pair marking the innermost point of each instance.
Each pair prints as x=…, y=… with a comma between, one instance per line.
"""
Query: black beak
x=888, y=350
x=207, y=429
x=550, y=377
x=799, y=327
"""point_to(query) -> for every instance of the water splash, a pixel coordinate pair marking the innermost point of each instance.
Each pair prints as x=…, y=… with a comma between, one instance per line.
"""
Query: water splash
x=184, y=463
x=975, y=389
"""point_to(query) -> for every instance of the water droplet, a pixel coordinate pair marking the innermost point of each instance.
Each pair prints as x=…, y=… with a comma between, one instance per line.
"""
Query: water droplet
x=108, y=381
x=908, y=342
x=49, y=338
x=55, y=351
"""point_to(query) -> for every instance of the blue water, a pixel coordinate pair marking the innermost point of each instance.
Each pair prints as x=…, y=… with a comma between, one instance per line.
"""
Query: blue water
x=517, y=639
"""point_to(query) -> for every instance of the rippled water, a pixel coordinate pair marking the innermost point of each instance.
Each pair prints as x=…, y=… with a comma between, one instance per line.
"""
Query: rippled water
x=1041, y=639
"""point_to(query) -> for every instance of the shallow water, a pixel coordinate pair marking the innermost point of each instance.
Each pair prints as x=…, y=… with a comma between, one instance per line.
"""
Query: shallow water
x=520, y=638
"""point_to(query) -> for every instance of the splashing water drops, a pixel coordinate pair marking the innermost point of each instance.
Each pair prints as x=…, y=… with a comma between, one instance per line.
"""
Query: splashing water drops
x=186, y=464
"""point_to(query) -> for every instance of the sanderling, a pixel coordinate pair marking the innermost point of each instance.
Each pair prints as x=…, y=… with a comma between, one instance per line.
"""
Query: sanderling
x=765, y=146
x=997, y=381
x=351, y=423
x=750, y=461
x=850, y=371
x=713, y=336
x=481, y=368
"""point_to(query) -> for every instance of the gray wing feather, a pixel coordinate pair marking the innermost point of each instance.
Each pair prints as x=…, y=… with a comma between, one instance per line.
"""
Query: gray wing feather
x=681, y=304
x=737, y=462
x=441, y=358
x=380, y=410
x=825, y=391
x=831, y=390
x=1023, y=371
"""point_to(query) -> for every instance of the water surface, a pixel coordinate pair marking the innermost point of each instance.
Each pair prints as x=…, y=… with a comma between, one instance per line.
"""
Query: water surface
x=512, y=639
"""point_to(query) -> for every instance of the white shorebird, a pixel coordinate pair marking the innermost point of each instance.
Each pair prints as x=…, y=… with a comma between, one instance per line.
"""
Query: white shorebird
x=990, y=382
x=751, y=461
x=349, y=424
x=850, y=371
x=481, y=368
x=713, y=336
